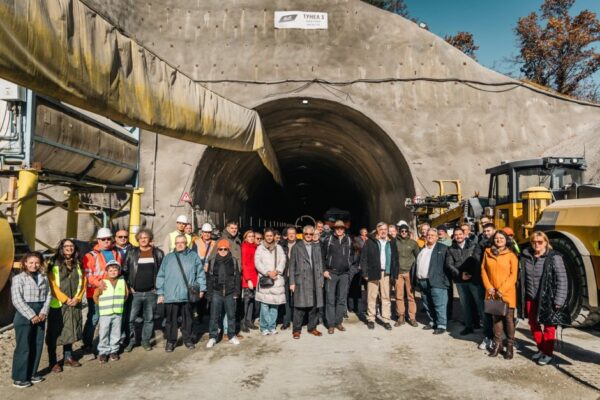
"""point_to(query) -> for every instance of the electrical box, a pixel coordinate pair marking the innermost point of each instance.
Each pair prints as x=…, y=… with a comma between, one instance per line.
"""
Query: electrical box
x=11, y=92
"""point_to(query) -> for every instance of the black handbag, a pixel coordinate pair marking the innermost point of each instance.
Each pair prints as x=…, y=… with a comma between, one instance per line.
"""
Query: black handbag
x=193, y=290
x=495, y=307
x=265, y=282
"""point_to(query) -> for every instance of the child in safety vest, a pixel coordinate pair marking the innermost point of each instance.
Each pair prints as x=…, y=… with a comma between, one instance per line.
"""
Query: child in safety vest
x=110, y=298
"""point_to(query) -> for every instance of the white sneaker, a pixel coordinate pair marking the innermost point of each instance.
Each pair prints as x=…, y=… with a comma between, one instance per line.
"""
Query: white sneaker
x=537, y=356
x=544, y=360
x=234, y=340
x=266, y=333
x=211, y=343
x=485, y=343
x=274, y=332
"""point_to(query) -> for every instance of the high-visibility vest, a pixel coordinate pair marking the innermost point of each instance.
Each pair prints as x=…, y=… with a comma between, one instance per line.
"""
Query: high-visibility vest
x=55, y=303
x=172, y=237
x=112, y=299
x=98, y=267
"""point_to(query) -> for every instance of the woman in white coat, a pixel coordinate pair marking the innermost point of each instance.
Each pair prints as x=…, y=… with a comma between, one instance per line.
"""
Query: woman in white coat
x=269, y=260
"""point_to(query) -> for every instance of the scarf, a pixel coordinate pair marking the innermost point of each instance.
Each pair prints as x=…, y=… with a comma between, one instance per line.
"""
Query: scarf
x=221, y=264
x=271, y=246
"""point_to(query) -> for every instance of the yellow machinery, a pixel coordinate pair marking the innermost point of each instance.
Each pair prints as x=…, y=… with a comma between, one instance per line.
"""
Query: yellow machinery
x=544, y=194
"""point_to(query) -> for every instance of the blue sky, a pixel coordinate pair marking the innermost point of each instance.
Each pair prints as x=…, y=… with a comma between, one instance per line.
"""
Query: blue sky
x=492, y=23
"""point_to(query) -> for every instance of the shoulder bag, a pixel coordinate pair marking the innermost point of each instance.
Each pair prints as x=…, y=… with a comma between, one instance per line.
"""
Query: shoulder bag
x=266, y=281
x=193, y=290
x=495, y=307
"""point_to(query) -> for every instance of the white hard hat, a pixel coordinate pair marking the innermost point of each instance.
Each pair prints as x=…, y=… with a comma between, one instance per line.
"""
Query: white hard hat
x=206, y=227
x=103, y=233
x=402, y=222
x=182, y=219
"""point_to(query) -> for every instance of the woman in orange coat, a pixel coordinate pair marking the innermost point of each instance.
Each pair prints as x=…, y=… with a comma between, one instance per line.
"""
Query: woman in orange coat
x=499, y=271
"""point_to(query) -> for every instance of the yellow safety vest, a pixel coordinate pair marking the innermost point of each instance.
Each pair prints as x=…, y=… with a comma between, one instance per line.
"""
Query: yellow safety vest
x=54, y=303
x=174, y=234
x=112, y=299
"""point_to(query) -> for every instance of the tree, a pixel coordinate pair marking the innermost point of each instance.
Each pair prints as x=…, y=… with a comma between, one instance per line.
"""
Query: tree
x=395, y=6
x=464, y=42
x=561, y=54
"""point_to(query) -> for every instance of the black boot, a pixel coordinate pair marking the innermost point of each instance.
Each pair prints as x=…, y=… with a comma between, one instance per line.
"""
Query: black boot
x=496, y=349
x=509, y=351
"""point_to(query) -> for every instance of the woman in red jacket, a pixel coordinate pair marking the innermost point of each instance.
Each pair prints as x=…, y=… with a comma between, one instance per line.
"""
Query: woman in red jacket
x=249, y=280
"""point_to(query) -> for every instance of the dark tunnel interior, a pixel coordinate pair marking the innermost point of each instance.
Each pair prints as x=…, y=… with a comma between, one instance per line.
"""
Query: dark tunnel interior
x=331, y=156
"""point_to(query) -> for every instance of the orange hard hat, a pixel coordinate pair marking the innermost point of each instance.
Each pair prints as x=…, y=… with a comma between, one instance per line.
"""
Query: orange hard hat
x=508, y=230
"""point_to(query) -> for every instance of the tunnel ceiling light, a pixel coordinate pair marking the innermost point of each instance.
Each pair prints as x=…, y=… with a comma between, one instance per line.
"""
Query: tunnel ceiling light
x=304, y=101
x=318, y=144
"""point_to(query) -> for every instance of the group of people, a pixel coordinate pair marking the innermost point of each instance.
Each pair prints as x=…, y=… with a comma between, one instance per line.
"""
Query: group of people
x=296, y=277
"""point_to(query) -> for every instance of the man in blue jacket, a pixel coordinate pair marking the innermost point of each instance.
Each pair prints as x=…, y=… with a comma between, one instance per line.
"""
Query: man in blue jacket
x=173, y=291
x=432, y=281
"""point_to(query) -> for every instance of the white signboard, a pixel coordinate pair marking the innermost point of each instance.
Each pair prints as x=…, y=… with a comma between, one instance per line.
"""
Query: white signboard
x=300, y=20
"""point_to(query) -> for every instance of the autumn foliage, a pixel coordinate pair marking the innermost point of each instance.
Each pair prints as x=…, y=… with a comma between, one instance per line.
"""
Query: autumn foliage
x=464, y=42
x=561, y=53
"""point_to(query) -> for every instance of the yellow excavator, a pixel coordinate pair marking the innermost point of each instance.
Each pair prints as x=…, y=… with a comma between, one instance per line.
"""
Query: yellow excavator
x=546, y=194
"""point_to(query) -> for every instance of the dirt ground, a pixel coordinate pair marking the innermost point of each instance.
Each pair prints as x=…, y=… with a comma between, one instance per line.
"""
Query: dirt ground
x=357, y=364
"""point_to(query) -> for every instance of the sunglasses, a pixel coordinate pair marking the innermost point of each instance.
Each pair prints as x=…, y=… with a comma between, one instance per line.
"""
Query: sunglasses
x=105, y=239
x=403, y=231
x=223, y=249
x=538, y=242
x=121, y=237
x=308, y=234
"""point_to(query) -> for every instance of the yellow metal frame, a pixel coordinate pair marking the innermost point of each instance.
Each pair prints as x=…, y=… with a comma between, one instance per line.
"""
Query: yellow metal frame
x=26, y=214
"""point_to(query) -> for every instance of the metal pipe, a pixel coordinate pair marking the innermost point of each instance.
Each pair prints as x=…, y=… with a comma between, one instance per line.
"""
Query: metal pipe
x=27, y=209
x=134, y=214
x=72, y=215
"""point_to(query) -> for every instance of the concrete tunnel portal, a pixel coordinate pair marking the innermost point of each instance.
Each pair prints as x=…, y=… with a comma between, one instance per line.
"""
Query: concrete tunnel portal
x=330, y=155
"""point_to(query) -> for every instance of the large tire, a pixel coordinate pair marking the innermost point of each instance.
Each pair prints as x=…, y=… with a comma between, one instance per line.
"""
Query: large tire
x=578, y=298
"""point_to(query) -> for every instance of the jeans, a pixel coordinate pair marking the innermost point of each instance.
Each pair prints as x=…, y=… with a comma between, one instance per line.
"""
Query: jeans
x=173, y=313
x=313, y=318
x=110, y=334
x=471, y=294
x=218, y=304
x=249, y=305
x=268, y=317
x=29, y=344
x=435, y=301
x=90, y=324
x=336, y=291
x=144, y=302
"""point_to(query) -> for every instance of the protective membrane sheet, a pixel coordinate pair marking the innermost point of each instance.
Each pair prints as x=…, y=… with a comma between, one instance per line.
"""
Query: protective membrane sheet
x=63, y=49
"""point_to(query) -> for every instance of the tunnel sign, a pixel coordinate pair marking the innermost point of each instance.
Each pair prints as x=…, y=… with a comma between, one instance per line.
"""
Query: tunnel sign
x=185, y=198
x=300, y=20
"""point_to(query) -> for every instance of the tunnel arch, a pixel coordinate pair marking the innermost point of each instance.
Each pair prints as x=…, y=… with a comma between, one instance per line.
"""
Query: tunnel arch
x=330, y=155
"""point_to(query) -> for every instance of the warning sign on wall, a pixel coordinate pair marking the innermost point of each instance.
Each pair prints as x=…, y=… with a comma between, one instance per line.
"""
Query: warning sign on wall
x=300, y=20
x=185, y=198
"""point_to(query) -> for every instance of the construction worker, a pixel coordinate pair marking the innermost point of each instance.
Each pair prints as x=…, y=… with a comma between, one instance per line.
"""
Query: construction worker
x=511, y=235
x=169, y=243
x=94, y=265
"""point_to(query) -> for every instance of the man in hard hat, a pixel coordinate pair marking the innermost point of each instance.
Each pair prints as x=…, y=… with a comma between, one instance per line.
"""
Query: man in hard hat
x=511, y=235
x=94, y=265
x=169, y=244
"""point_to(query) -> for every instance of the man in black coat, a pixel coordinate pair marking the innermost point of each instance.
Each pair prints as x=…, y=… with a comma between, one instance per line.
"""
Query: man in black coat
x=465, y=271
x=379, y=264
x=433, y=282
x=338, y=256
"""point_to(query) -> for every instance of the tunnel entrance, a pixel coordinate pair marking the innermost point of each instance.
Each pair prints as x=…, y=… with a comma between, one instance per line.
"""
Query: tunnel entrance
x=330, y=155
